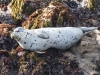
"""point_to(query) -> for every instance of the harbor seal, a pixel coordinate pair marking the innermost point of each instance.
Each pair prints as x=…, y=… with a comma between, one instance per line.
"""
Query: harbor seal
x=41, y=39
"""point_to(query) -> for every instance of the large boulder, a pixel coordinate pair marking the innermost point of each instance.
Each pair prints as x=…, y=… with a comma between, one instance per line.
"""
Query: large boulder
x=55, y=14
x=87, y=53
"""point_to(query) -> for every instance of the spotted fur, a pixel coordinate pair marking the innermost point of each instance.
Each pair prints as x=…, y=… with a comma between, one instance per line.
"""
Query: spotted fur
x=44, y=38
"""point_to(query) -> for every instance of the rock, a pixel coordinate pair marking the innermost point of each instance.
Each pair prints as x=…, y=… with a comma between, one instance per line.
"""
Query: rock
x=92, y=22
x=87, y=53
x=4, y=53
x=6, y=15
x=97, y=36
x=55, y=14
x=69, y=55
x=6, y=28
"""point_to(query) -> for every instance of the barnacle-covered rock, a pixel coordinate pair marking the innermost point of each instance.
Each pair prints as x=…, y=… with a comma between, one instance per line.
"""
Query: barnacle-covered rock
x=5, y=14
x=91, y=22
x=55, y=14
x=23, y=69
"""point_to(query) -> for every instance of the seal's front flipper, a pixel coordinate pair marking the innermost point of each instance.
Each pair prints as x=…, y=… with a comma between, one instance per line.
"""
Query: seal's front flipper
x=40, y=52
x=43, y=35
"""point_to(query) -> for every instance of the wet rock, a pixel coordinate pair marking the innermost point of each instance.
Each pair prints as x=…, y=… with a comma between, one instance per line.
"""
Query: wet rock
x=5, y=15
x=4, y=53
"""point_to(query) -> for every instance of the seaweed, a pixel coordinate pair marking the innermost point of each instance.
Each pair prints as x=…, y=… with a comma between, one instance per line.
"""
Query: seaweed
x=54, y=14
x=92, y=5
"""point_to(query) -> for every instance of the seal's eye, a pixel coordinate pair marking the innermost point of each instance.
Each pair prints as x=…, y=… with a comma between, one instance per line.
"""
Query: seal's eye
x=17, y=31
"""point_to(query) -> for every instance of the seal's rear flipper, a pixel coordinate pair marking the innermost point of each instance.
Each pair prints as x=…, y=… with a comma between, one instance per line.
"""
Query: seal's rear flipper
x=87, y=30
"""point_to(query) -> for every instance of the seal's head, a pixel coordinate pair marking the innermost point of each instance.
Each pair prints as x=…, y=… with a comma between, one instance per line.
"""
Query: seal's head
x=17, y=32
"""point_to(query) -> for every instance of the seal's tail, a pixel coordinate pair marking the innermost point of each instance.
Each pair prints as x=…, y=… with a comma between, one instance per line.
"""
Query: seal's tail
x=87, y=30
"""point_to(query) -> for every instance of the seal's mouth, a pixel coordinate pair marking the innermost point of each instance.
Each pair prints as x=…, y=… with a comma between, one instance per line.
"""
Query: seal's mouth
x=12, y=35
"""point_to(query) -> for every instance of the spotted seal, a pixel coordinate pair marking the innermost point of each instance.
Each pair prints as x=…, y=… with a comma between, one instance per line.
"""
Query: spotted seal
x=43, y=38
